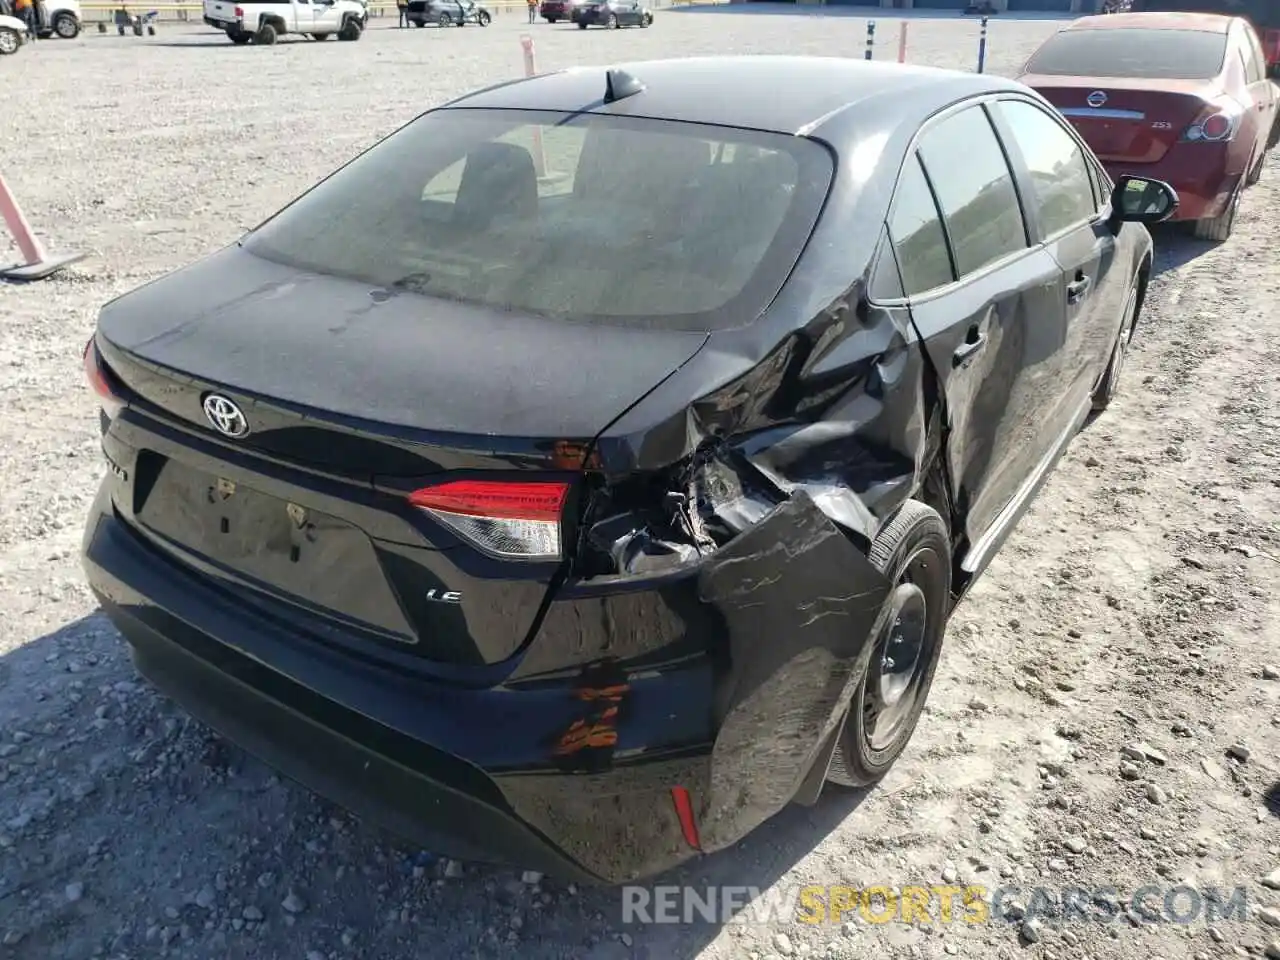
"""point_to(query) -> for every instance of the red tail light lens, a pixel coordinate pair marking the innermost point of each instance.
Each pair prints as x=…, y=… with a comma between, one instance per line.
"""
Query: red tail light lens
x=1213, y=127
x=239, y=11
x=100, y=380
x=517, y=520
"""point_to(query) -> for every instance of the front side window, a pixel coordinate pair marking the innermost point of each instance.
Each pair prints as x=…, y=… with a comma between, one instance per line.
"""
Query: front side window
x=974, y=186
x=1062, y=190
x=919, y=243
x=582, y=217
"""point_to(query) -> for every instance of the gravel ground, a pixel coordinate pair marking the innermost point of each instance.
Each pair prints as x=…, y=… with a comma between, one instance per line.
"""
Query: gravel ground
x=1104, y=715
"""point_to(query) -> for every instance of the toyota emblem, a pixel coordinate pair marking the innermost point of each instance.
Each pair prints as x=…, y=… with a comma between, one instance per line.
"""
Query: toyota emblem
x=225, y=416
x=1096, y=99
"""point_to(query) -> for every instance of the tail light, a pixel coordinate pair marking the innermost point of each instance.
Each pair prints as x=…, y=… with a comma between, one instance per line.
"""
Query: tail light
x=1217, y=124
x=519, y=520
x=239, y=12
x=102, y=381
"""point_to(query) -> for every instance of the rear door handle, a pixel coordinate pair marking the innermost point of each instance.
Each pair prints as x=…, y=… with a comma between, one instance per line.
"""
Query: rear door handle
x=974, y=341
x=1077, y=289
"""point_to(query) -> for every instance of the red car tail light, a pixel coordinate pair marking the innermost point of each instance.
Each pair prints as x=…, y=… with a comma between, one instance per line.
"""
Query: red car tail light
x=519, y=520
x=239, y=12
x=1216, y=125
x=101, y=381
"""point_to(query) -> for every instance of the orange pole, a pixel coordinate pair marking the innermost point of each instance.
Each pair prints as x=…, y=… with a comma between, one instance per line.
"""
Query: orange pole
x=902, y=42
x=26, y=239
x=530, y=69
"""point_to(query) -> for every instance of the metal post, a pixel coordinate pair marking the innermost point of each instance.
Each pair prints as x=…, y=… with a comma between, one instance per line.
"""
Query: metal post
x=871, y=38
x=982, y=46
x=530, y=69
x=902, y=41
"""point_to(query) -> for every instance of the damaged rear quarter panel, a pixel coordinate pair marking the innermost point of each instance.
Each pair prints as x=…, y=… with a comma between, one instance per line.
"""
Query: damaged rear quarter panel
x=788, y=612
x=800, y=606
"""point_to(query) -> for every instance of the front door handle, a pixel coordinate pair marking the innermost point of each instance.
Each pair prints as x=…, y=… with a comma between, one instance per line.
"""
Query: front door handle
x=974, y=341
x=1077, y=289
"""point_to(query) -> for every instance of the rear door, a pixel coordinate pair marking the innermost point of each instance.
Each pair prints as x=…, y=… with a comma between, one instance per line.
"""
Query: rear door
x=1261, y=92
x=986, y=305
x=1066, y=215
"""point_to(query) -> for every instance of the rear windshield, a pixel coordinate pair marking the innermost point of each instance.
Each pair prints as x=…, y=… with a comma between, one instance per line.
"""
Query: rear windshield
x=589, y=218
x=1171, y=54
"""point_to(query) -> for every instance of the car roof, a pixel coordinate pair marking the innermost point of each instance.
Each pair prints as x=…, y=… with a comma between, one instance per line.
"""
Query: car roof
x=782, y=94
x=1204, y=22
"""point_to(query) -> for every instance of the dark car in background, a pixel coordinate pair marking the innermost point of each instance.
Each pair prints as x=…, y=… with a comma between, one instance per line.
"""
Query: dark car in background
x=1177, y=97
x=448, y=13
x=612, y=14
x=554, y=11
x=584, y=522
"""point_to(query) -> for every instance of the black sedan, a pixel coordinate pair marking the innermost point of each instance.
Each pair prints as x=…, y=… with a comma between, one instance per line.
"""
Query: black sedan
x=447, y=13
x=612, y=14
x=577, y=486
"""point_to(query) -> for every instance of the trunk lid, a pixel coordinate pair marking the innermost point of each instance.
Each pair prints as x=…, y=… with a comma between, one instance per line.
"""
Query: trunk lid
x=360, y=382
x=1130, y=120
x=353, y=400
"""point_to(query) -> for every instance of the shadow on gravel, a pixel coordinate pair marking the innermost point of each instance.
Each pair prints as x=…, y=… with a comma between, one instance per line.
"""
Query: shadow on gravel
x=1271, y=799
x=1176, y=247
x=127, y=826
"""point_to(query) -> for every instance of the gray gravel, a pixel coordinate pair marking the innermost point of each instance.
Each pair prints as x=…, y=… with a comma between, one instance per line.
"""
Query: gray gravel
x=1136, y=604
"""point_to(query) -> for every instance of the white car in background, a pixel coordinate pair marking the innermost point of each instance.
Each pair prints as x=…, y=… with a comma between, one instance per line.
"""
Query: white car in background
x=13, y=34
x=262, y=21
x=60, y=18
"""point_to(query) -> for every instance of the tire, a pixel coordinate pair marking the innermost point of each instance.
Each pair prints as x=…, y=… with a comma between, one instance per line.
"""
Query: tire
x=581, y=25
x=1109, y=385
x=10, y=41
x=419, y=23
x=1219, y=228
x=1274, y=137
x=350, y=31
x=913, y=551
x=321, y=36
x=482, y=18
x=265, y=36
x=1255, y=172
x=612, y=22
x=239, y=39
x=551, y=19
x=444, y=20
x=66, y=26
x=646, y=20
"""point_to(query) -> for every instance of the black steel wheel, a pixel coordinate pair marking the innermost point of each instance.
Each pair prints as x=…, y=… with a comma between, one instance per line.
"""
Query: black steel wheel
x=1110, y=383
x=914, y=552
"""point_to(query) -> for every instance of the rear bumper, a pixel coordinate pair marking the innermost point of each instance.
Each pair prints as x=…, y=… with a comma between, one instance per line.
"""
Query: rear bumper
x=371, y=741
x=485, y=774
x=1204, y=175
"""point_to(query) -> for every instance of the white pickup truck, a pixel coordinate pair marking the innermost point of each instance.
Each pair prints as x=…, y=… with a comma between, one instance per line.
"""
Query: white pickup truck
x=262, y=21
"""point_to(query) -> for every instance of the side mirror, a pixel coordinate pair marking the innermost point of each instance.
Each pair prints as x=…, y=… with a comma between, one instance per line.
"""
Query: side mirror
x=1142, y=200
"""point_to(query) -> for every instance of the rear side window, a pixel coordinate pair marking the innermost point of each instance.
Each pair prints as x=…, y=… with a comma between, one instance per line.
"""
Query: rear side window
x=1062, y=190
x=1255, y=59
x=1131, y=52
x=582, y=217
x=916, y=231
x=971, y=178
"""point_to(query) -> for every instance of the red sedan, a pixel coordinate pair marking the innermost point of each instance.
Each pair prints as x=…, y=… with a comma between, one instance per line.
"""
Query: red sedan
x=1178, y=97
